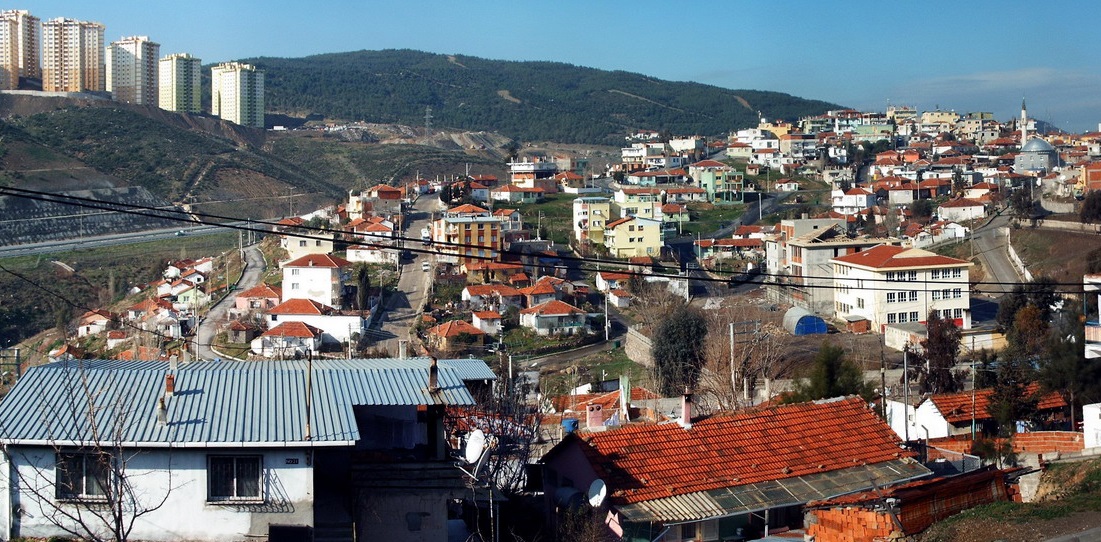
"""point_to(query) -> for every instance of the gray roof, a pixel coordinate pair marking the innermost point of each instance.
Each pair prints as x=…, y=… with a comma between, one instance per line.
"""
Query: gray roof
x=218, y=403
x=1037, y=145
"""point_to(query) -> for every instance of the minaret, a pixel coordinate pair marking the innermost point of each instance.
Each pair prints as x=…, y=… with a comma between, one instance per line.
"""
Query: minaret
x=1024, y=123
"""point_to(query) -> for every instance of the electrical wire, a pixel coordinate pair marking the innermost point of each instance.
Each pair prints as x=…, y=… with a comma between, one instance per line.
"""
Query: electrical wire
x=618, y=266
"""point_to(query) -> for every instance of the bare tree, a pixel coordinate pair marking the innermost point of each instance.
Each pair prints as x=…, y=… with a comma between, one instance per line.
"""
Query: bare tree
x=92, y=491
x=736, y=365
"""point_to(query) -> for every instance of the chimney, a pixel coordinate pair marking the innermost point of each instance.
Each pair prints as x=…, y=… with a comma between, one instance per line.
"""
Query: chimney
x=594, y=417
x=169, y=385
x=162, y=413
x=403, y=349
x=173, y=362
x=433, y=376
x=686, y=409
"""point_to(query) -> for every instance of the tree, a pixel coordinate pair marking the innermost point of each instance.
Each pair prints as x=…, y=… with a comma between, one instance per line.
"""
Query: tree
x=1010, y=400
x=1040, y=293
x=1090, y=212
x=934, y=367
x=1093, y=260
x=1029, y=332
x=733, y=371
x=922, y=208
x=1064, y=368
x=1021, y=204
x=678, y=350
x=831, y=376
x=363, y=286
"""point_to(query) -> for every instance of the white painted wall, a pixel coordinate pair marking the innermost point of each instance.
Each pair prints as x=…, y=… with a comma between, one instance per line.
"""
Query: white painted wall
x=186, y=515
x=1091, y=424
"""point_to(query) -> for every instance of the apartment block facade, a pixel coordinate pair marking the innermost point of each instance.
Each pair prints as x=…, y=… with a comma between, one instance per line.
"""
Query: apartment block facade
x=132, y=70
x=179, y=83
x=237, y=93
x=9, y=55
x=26, y=42
x=72, y=56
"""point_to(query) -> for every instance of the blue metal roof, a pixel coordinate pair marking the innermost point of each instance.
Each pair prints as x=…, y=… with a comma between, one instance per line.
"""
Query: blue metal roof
x=217, y=403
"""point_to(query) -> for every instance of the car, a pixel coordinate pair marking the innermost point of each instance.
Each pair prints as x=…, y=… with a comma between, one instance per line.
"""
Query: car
x=181, y=233
x=425, y=266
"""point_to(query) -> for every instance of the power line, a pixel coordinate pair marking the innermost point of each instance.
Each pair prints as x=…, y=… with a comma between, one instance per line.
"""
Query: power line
x=230, y=222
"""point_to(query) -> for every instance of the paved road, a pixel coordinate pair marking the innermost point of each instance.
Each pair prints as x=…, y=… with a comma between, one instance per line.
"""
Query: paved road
x=990, y=245
x=404, y=305
x=50, y=247
x=217, y=316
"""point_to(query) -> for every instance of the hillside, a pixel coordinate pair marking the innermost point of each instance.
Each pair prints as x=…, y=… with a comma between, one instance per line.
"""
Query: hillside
x=525, y=100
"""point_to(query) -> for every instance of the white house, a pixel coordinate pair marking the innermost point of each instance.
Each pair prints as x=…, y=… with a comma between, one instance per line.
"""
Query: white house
x=319, y=277
x=233, y=450
x=288, y=340
x=373, y=254
x=298, y=245
x=554, y=318
x=961, y=210
x=853, y=201
x=487, y=321
x=339, y=326
x=888, y=285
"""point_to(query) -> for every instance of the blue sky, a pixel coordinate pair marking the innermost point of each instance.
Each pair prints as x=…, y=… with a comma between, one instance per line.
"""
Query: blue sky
x=963, y=55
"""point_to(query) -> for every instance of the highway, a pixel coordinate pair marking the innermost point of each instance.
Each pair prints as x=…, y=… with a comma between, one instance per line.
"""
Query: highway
x=51, y=247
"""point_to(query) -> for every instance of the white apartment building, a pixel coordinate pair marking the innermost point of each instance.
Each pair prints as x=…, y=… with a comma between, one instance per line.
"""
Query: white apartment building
x=72, y=56
x=178, y=83
x=26, y=43
x=132, y=70
x=237, y=93
x=317, y=277
x=889, y=285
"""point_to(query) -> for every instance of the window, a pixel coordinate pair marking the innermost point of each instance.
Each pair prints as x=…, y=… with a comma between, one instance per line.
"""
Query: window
x=957, y=293
x=294, y=272
x=317, y=243
x=294, y=286
x=302, y=242
x=890, y=297
x=82, y=475
x=934, y=274
x=957, y=313
x=914, y=316
x=912, y=276
x=860, y=303
x=234, y=478
x=957, y=273
x=936, y=295
x=913, y=295
x=688, y=531
x=890, y=317
x=891, y=275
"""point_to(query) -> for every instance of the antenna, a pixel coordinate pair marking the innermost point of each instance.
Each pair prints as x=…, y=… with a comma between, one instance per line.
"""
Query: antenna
x=476, y=452
x=598, y=490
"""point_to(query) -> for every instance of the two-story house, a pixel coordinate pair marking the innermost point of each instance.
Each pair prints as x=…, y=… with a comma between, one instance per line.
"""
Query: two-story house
x=319, y=277
x=720, y=181
x=590, y=215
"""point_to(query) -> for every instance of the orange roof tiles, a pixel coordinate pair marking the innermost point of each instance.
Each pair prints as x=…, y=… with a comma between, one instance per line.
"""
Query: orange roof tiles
x=467, y=208
x=962, y=202
x=318, y=260
x=490, y=289
x=553, y=307
x=293, y=329
x=488, y=315
x=956, y=407
x=645, y=462
x=262, y=290
x=893, y=256
x=455, y=328
x=301, y=306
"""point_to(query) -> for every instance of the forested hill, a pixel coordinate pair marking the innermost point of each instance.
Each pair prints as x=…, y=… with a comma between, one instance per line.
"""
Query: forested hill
x=525, y=100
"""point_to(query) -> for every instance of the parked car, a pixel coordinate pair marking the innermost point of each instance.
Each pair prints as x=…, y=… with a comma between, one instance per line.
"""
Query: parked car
x=425, y=266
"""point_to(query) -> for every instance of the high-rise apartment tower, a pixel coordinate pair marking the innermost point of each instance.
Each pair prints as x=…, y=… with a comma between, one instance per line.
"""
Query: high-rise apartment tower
x=179, y=83
x=237, y=93
x=72, y=56
x=132, y=70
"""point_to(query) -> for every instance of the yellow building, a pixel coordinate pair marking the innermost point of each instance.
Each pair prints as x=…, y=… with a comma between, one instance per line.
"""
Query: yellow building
x=590, y=215
x=72, y=56
x=179, y=83
x=633, y=236
x=237, y=93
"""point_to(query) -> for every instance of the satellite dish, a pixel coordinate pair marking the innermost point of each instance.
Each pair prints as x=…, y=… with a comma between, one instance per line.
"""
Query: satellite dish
x=597, y=491
x=475, y=445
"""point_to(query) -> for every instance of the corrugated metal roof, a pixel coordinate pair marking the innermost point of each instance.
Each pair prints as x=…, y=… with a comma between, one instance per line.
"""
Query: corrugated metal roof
x=217, y=403
x=743, y=499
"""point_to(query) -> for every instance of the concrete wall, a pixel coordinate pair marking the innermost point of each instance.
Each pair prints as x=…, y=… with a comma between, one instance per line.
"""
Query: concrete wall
x=639, y=348
x=181, y=475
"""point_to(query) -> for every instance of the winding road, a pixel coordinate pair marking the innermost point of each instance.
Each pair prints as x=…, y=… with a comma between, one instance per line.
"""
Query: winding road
x=216, y=317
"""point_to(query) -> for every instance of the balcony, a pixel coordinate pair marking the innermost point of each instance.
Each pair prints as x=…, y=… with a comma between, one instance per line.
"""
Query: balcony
x=1093, y=340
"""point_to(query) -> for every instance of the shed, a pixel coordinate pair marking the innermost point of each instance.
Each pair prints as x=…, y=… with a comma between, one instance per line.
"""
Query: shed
x=799, y=321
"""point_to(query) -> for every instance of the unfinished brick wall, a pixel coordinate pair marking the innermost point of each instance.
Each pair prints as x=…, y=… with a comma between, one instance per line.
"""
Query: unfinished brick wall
x=1042, y=442
x=963, y=445
x=850, y=524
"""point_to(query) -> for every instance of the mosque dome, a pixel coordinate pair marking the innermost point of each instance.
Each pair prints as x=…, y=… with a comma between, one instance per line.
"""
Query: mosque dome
x=1037, y=145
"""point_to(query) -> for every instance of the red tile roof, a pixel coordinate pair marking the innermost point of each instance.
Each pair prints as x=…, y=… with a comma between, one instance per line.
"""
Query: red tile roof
x=893, y=256
x=293, y=329
x=262, y=290
x=645, y=462
x=490, y=289
x=488, y=315
x=553, y=307
x=301, y=306
x=467, y=208
x=962, y=202
x=710, y=163
x=956, y=407
x=318, y=260
x=455, y=328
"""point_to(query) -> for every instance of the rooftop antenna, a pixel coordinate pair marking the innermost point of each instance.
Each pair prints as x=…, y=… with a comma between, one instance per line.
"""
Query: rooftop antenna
x=598, y=490
x=476, y=452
